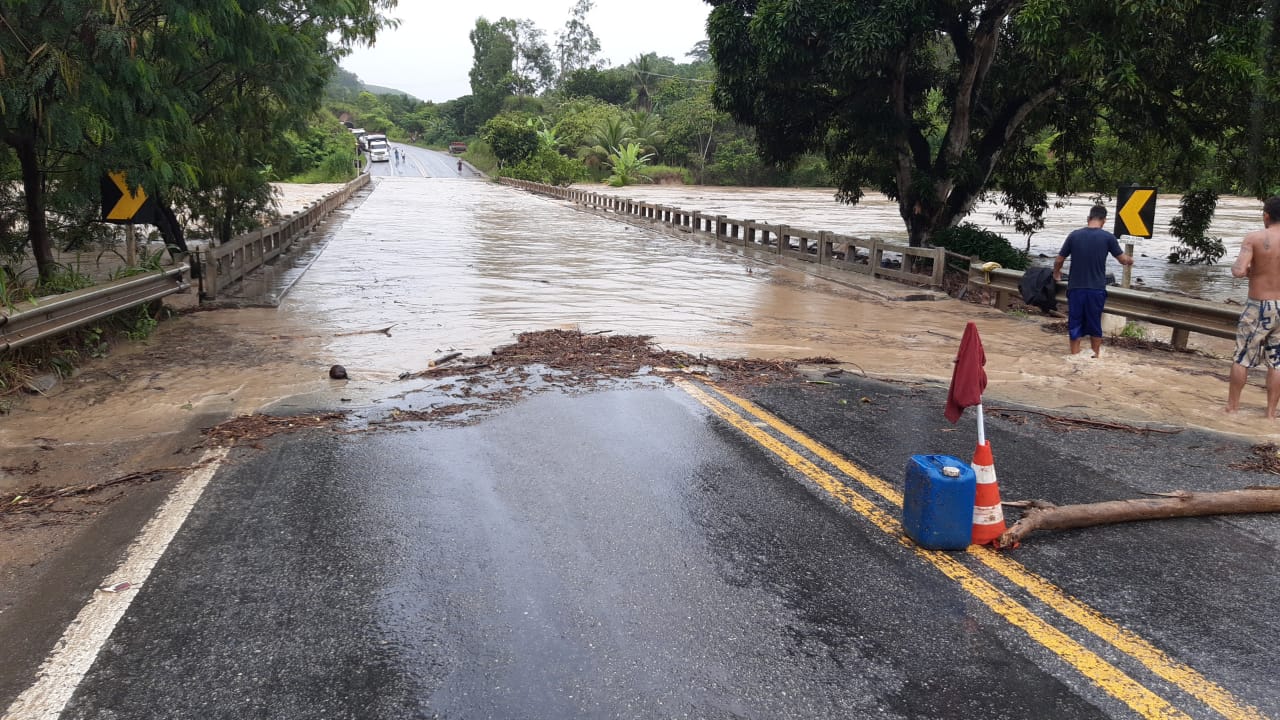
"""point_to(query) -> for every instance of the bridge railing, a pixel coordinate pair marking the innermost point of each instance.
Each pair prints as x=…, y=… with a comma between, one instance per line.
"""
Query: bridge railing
x=229, y=262
x=1183, y=315
x=869, y=256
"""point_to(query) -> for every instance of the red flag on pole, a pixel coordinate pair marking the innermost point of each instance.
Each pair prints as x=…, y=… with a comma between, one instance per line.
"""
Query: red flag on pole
x=968, y=380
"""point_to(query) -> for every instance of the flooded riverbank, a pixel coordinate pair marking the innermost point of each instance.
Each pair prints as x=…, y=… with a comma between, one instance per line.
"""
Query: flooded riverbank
x=877, y=216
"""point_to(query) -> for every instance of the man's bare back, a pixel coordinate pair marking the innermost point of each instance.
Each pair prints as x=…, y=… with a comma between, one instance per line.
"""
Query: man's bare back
x=1259, y=260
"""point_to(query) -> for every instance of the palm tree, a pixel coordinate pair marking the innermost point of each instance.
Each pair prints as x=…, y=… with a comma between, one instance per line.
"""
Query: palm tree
x=610, y=134
x=646, y=129
x=643, y=80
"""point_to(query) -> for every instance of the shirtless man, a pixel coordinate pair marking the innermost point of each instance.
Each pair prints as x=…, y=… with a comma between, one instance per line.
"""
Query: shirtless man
x=1258, y=332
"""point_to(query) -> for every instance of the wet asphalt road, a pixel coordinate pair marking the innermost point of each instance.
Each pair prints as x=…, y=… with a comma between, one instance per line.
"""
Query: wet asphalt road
x=629, y=554
x=419, y=162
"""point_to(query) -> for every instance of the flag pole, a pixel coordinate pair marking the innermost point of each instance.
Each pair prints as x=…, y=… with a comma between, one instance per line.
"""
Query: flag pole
x=982, y=431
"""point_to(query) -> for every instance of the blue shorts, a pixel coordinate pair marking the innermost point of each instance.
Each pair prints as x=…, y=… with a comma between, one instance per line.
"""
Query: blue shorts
x=1084, y=312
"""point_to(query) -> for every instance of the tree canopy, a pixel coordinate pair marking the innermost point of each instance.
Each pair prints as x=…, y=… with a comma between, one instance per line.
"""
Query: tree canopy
x=938, y=103
x=188, y=98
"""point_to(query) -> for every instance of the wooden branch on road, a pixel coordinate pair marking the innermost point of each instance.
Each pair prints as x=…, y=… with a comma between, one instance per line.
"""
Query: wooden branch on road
x=1043, y=515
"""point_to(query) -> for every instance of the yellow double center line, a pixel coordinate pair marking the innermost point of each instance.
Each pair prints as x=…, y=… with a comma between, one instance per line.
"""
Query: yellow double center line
x=1108, y=677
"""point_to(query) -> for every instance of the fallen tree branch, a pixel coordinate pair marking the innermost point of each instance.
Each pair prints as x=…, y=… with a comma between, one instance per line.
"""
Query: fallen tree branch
x=1043, y=515
x=1085, y=422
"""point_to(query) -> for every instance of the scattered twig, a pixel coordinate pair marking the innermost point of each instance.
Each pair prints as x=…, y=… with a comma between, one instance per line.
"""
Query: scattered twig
x=1085, y=422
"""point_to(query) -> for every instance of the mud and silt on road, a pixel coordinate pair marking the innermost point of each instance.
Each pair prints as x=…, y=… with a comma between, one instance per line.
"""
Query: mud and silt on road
x=460, y=391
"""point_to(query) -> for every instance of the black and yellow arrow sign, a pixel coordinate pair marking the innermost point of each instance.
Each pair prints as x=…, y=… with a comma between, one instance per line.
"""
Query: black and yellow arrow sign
x=120, y=205
x=1135, y=211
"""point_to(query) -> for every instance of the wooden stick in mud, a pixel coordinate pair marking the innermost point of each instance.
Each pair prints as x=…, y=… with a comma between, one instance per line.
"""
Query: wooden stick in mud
x=1044, y=515
x=380, y=331
x=442, y=360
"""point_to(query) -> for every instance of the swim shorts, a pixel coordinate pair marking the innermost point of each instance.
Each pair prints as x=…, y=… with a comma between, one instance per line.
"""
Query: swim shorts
x=1258, y=334
x=1084, y=312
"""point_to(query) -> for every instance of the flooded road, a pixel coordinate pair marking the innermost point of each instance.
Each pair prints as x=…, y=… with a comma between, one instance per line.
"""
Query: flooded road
x=466, y=265
x=877, y=216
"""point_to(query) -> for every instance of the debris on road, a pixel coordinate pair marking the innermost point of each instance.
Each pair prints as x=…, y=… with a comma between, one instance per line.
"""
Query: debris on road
x=1266, y=458
x=41, y=498
x=1018, y=416
x=258, y=427
x=595, y=356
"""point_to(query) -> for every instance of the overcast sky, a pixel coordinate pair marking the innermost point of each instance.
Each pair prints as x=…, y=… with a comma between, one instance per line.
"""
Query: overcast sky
x=429, y=55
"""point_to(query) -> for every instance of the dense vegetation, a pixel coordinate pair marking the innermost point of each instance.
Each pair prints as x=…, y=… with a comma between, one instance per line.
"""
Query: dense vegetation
x=938, y=104
x=189, y=99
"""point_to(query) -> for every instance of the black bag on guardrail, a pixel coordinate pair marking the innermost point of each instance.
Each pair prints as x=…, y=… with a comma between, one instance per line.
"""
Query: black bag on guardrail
x=1038, y=289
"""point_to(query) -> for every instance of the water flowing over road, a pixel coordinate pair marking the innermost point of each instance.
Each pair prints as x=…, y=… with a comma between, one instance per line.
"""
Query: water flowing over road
x=465, y=265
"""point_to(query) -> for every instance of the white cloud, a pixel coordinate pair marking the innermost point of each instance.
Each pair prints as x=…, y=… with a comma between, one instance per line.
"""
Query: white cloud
x=429, y=55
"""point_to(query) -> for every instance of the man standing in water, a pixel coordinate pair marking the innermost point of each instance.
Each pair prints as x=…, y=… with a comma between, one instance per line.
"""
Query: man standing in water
x=1258, y=331
x=1088, y=248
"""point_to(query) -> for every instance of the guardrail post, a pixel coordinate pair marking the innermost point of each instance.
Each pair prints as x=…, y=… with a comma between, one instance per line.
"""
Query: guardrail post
x=939, y=266
x=784, y=238
x=1180, y=337
x=721, y=225
x=825, y=246
x=210, y=275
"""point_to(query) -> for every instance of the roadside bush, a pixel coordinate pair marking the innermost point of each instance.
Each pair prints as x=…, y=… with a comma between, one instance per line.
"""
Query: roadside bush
x=549, y=167
x=669, y=175
x=969, y=239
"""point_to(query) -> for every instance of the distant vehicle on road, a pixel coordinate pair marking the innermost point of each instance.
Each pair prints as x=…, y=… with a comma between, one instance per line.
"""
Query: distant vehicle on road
x=379, y=148
x=457, y=148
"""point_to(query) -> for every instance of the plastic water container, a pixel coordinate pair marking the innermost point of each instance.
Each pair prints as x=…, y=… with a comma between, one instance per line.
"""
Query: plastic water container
x=937, y=504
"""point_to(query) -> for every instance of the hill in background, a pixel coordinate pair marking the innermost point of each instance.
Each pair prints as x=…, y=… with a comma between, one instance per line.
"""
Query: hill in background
x=351, y=84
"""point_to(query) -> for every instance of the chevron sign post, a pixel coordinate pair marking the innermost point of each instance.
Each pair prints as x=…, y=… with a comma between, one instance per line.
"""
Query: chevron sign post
x=1135, y=216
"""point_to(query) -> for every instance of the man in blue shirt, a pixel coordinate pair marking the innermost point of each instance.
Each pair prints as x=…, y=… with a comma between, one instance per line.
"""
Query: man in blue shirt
x=1088, y=248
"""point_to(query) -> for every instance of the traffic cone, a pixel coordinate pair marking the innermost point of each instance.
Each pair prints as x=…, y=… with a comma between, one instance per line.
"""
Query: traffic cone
x=988, y=518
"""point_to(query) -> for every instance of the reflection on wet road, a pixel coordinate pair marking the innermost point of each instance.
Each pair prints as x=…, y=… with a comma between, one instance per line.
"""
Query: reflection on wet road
x=466, y=265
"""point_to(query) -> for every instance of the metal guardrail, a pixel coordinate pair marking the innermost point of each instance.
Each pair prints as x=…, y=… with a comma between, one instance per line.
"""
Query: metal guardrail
x=229, y=262
x=1184, y=315
x=45, y=318
x=844, y=252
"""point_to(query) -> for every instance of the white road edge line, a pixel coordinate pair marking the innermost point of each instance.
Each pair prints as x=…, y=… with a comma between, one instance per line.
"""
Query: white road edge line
x=71, y=658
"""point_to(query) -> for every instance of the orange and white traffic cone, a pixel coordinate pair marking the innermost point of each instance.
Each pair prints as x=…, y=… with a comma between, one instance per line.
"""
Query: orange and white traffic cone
x=988, y=518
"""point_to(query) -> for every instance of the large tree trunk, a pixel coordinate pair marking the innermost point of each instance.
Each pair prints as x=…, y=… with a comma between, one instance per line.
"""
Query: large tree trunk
x=33, y=189
x=1043, y=515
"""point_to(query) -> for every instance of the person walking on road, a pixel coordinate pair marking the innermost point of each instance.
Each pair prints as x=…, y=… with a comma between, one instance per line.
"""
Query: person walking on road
x=1088, y=248
x=1258, y=330
x=459, y=166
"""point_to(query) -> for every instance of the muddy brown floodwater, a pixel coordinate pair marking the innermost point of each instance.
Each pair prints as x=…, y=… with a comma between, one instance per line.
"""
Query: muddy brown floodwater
x=463, y=266
x=877, y=216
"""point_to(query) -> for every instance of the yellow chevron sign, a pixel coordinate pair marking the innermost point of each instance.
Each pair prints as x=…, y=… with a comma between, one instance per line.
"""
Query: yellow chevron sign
x=1135, y=211
x=120, y=205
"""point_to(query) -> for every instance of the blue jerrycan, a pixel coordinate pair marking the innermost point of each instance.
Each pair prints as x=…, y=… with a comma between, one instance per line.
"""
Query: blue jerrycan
x=937, y=504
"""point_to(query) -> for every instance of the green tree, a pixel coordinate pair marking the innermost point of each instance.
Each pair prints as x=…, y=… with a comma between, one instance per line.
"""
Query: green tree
x=576, y=45
x=532, y=68
x=511, y=137
x=938, y=103
x=491, y=79
x=612, y=86
x=159, y=88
